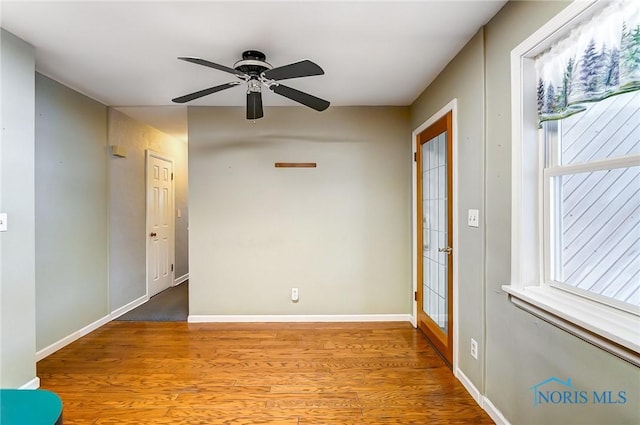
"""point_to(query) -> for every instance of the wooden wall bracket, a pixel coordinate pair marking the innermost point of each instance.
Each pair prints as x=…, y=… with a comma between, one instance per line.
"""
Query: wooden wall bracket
x=295, y=165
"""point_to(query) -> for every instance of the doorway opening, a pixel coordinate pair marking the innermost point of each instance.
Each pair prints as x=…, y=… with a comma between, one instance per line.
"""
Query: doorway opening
x=168, y=300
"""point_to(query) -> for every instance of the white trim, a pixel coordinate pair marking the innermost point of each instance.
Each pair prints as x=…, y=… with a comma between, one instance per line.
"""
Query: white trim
x=632, y=160
x=482, y=400
x=486, y=404
x=551, y=30
x=456, y=232
x=453, y=107
x=41, y=354
x=494, y=413
x=272, y=318
x=128, y=307
x=615, y=331
x=34, y=384
x=47, y=351
x=521, y=249
x=468, y=385
x=181, y=279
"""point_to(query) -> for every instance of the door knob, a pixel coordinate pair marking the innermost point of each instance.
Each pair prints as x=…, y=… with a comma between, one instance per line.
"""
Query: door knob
x=447, y=250
x=153, y=234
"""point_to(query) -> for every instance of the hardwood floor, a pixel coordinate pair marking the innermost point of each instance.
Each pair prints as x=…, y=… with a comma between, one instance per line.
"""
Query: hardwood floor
x=279, y=373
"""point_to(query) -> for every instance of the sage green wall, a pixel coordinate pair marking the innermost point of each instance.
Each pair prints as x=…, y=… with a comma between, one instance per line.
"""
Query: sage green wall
x=127, y=199
x=340, y=232
x=463, y=79
x=71, y=211
x=180, y=154
x=522, y=350
x=17, y=260
x=517, y=350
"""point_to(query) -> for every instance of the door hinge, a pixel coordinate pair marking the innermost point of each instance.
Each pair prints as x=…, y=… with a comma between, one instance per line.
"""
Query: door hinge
x=415, y=157
x=415, y=296
x=171, y=176
x=172, y=267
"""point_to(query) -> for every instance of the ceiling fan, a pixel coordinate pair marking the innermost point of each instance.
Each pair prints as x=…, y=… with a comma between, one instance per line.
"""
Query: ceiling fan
x=255, y=71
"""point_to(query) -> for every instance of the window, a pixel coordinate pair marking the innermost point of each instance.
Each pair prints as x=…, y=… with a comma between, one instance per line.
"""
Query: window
x=592, y=202
x=576, y=175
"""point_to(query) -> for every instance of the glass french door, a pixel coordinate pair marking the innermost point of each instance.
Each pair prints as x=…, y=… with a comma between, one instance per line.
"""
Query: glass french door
x=435, y=235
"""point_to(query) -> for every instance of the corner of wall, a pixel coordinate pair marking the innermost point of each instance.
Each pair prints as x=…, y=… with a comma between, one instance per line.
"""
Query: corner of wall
x=17, y=244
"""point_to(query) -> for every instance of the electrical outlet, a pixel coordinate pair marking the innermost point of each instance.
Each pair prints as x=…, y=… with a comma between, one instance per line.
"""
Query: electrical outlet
x=294, y=294
x=474, y=349
x=473, y=219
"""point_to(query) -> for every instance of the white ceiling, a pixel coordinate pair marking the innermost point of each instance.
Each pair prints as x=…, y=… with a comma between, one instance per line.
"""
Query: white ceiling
x=123, y=53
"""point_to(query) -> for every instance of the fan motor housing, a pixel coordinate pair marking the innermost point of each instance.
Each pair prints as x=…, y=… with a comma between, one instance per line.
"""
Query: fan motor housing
x=253, y=54
x=253, y=63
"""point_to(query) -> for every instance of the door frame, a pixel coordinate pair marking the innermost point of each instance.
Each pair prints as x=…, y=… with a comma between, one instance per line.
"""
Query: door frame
x=452, y=107
x=148, y=154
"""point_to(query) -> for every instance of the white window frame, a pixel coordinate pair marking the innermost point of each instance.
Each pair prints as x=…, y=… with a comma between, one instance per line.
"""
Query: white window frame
x=607, y=327
x=551, y=237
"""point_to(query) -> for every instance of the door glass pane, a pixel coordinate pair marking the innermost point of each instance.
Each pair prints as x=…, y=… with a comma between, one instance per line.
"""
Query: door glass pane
x=434, y=225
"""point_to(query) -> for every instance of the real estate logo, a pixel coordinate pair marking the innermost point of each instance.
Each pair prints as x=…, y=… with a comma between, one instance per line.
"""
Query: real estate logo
x=555, y=391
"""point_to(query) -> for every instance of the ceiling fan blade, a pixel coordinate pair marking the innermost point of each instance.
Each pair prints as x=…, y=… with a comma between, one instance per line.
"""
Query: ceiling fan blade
x=304, y=68
x=219, y=67
x=301, y=97
x=205, y=92
x=254, y=105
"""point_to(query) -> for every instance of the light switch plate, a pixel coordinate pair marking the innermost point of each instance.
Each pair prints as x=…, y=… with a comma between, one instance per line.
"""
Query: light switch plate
x=474, y=218
x=3, y=222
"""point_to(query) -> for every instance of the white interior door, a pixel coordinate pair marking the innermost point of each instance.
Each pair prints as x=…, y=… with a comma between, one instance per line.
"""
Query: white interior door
x=160, y=223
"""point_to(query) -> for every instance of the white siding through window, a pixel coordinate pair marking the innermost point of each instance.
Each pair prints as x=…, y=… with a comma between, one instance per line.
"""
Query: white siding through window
x=600, y=211
x=607, y=129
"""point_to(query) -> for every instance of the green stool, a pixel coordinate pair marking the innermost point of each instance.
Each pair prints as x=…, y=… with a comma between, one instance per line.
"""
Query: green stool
x=30, y=407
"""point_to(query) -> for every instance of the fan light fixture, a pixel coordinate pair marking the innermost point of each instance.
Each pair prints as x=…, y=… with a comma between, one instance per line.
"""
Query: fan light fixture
x=256, y=72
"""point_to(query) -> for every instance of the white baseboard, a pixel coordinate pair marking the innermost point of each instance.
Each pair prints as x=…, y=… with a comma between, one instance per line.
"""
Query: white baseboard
x=47, y=351
x=128, y=307
x=70, y=338
x=34, y=384
x=413, y=321
x=493, y=412
x=181, y=279
x=468, y=385
x=195, y=318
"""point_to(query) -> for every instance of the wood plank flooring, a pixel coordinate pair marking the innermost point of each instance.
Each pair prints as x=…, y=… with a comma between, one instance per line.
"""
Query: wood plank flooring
x=270, y=374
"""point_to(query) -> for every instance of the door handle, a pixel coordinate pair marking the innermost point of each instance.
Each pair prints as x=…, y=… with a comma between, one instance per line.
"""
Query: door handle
x=153, y=234
x=448, y=250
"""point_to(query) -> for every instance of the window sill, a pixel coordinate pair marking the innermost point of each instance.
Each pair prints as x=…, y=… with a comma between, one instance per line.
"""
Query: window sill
x=613, y=330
